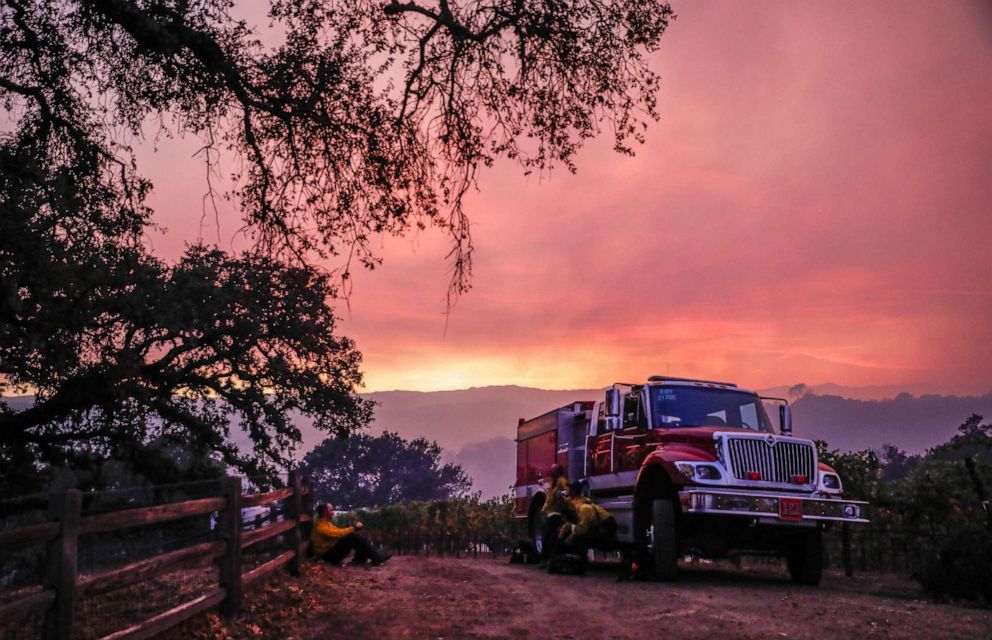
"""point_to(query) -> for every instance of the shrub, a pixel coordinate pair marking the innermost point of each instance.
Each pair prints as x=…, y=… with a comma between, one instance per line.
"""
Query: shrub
x=962, y=568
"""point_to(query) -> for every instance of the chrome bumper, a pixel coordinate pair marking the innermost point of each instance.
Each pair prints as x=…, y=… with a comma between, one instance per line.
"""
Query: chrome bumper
x=771, y=507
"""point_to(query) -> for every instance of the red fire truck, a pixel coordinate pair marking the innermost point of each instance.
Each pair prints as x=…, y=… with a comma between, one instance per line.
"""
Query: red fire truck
x=688, y=467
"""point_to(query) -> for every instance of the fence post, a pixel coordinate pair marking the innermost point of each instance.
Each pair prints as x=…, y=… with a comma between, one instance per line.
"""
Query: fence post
x=294, y=507
x=62, y=564
x=229, y=527
x=308, y=497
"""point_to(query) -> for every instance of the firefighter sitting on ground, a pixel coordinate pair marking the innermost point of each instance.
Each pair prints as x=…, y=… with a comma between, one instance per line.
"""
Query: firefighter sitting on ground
x=333, y=544
x=556, y=505
x=594, y=526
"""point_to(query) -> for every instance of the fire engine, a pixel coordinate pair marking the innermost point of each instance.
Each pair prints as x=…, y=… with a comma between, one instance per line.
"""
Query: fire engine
x=688, y=467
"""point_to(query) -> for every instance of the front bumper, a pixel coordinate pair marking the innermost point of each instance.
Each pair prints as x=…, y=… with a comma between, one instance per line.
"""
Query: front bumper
x=771, y=507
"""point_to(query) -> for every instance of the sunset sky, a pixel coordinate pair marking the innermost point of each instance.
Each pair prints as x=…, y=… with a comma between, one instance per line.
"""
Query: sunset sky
x=815, y=205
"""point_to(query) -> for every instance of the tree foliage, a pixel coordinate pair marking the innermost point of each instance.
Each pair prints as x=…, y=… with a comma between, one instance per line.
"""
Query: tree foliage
x=129, y=361
x=927, y=510
x=360, y=117
x=370, y=471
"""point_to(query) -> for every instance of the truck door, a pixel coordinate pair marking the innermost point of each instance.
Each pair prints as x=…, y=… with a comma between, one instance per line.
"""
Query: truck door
x=616, y=451
x=629, y=443
x=599, y=449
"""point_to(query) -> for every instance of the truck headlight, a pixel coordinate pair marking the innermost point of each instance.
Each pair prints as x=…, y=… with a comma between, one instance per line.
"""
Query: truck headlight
x=698, y=471
x=686, y=469
x=852, y=511
x=831, y=481
x=708, y=472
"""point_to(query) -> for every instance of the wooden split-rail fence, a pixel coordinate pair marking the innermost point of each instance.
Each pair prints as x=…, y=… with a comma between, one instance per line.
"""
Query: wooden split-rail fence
x=63, y=588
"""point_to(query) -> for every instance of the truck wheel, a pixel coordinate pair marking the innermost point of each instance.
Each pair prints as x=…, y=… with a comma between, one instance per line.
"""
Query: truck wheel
x=805, y=559
x=664, y=546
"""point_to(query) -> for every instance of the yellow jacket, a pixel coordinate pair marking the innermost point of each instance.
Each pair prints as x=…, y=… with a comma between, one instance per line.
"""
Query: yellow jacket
x=589, y=515
x=325, y=535
x=555, y=502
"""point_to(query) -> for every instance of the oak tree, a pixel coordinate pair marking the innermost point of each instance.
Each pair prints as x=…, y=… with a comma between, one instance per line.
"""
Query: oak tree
x=343, y=120
x=372, y=471
x=349, y=118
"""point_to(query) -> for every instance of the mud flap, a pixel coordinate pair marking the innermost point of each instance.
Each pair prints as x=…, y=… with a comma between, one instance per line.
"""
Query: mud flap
x=664, y=545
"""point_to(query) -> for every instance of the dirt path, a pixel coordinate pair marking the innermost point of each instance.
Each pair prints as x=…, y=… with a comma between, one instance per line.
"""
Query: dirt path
x=445, y=598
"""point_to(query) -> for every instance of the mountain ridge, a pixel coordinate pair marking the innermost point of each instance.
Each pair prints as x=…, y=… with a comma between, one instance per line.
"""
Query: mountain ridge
x=476, y=427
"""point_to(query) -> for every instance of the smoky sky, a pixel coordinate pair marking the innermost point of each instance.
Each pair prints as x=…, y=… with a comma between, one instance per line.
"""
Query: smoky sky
x=814, y=205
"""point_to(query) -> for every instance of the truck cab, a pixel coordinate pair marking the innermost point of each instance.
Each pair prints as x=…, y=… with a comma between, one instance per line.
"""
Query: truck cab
x=689, y=467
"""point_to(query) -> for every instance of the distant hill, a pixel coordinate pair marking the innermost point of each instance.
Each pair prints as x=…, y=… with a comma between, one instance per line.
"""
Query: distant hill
x=911, y=423
x=490, y=463
x=874, y=392
x=465, y=416
x=18, y=403
x=476, y=427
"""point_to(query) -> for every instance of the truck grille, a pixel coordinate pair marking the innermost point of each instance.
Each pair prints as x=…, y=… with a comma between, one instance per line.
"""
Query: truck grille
x=779, y=461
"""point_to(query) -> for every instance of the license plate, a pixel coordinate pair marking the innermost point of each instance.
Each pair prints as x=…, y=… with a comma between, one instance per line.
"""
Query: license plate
x=790, y=509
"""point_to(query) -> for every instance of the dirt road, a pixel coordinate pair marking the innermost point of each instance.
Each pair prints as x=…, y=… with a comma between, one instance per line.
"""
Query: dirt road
x=446, y=598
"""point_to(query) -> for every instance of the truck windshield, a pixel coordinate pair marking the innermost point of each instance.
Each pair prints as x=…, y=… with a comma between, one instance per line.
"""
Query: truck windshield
x=678, y=406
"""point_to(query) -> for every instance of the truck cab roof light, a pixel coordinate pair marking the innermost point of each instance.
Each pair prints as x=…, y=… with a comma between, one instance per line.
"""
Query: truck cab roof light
x=674, y=379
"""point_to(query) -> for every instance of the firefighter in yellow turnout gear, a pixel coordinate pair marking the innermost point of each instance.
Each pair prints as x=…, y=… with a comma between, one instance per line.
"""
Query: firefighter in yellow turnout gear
x=555, y=506
x=332, y=543
x=593, y=528
x=589, y=526
x=325, y=534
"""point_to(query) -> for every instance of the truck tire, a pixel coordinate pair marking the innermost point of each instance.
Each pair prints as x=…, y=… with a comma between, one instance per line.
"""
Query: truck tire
x=805, y=559
x=664, y=547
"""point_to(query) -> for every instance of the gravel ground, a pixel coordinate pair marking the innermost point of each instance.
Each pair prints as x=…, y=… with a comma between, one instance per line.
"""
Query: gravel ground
x=413, y=597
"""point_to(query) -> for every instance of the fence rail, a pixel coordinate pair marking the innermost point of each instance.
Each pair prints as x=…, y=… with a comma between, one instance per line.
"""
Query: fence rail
x=63, y=588
x=35, y=533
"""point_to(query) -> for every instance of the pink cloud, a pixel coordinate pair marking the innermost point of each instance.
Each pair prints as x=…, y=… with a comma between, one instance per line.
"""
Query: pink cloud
x=813, y=206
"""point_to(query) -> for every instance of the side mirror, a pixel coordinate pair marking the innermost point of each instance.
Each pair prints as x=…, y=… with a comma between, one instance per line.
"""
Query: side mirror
x=785, y=420
x=613, y=403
